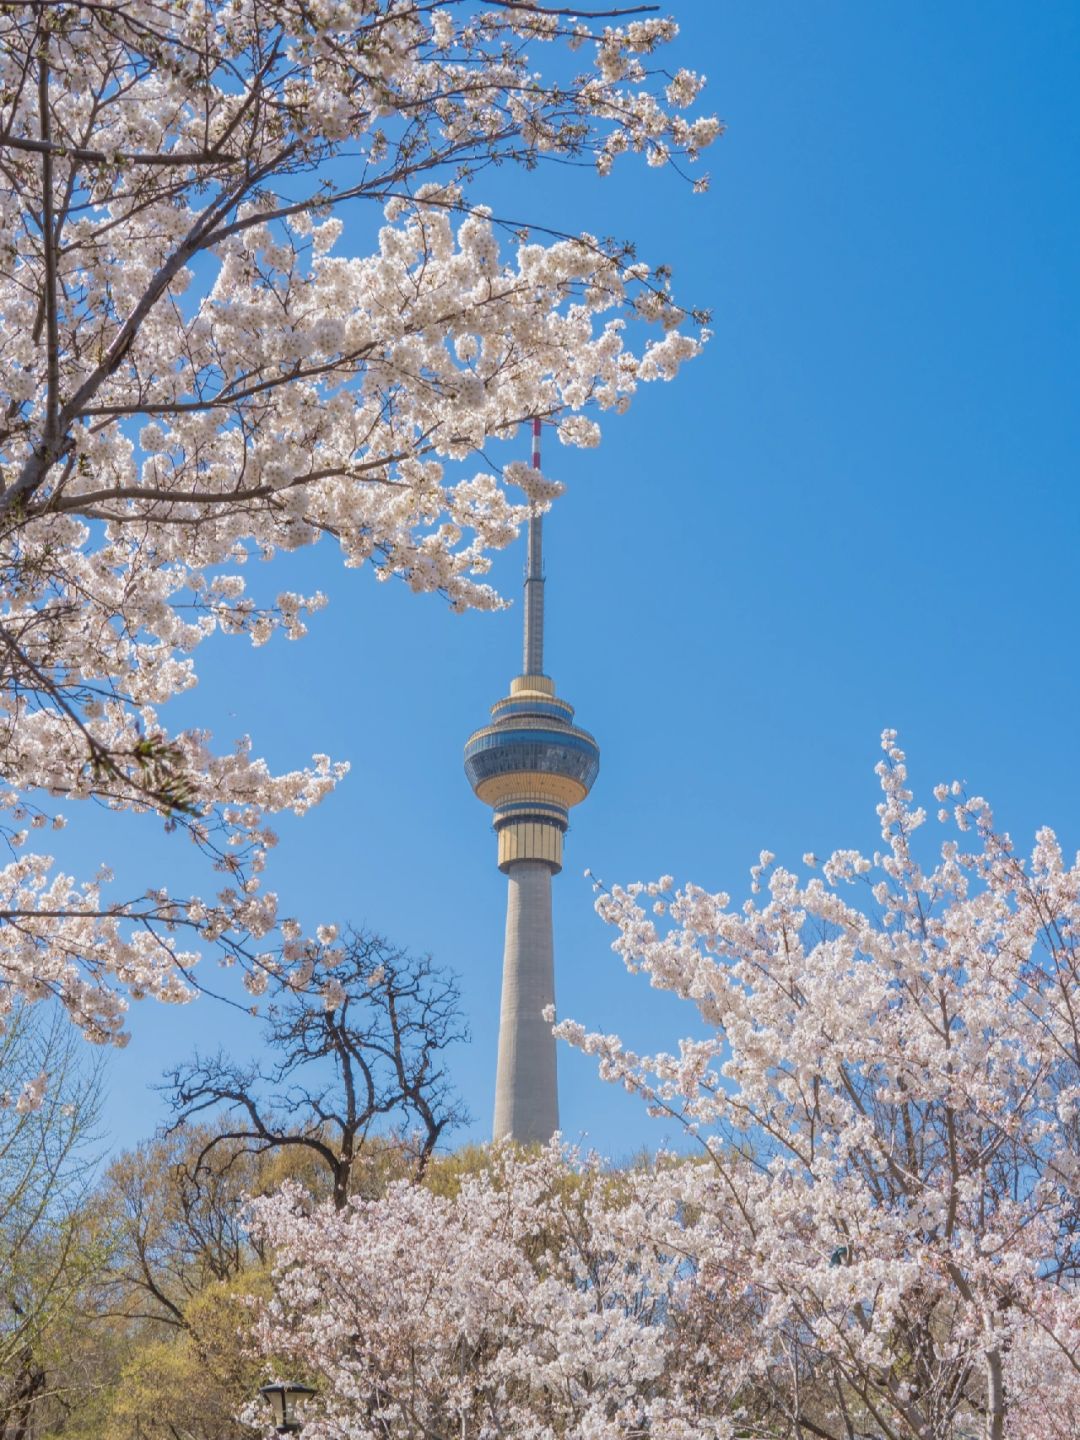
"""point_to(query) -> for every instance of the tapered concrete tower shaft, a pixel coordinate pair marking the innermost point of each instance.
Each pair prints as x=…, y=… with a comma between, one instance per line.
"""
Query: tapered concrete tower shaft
x=531, y=764
x=526, y=1082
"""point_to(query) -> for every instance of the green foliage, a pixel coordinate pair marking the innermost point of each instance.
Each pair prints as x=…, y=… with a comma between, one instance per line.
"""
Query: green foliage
x=195, y=1382
x=153, y=1345
x=49, y=1244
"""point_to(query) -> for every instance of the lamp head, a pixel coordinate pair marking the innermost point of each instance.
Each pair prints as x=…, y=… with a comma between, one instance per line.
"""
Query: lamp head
x=284, y=1397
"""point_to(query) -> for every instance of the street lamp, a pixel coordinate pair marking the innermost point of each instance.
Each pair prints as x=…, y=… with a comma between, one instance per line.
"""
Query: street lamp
x=283, y=1397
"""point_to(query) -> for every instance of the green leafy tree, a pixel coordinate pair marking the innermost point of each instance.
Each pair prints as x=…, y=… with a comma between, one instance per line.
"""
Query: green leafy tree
x=50, y=1095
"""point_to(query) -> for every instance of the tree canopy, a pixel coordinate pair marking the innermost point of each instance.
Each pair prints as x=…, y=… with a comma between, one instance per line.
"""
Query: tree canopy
x=197, y=367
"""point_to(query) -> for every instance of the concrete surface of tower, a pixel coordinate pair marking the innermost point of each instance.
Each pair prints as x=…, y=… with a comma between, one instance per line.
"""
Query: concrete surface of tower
x=531, y=764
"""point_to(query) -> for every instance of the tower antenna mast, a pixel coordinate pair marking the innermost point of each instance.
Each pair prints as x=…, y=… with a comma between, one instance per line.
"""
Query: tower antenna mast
x=533, y=650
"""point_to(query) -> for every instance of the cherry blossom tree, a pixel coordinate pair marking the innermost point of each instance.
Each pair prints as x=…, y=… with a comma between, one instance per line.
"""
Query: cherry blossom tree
x=542, y=1297
x=197, y=367
x=887, y=1096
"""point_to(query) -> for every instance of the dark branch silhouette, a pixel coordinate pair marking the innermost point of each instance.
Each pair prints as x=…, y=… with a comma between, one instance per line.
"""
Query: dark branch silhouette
x=359, y=1051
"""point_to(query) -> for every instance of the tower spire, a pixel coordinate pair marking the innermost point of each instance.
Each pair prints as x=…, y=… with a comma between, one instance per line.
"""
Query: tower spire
x=533, y=649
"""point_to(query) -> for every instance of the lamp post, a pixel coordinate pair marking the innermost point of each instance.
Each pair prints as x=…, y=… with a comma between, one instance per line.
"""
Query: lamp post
x=283, y=1398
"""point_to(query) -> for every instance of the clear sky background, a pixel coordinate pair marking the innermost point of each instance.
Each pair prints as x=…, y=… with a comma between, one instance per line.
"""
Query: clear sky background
x=859, y=508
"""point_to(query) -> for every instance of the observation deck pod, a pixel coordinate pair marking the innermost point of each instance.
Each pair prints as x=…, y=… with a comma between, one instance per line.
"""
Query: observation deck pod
x=531, y=765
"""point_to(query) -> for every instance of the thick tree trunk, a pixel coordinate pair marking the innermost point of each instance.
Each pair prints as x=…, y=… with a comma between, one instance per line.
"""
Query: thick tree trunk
x=995, y=1395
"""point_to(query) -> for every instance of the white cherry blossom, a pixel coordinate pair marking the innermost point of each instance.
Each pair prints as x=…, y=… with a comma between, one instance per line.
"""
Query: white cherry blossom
x=543, y=1297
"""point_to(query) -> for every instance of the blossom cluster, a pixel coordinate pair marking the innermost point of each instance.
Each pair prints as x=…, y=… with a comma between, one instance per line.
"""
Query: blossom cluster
x=543, y=1297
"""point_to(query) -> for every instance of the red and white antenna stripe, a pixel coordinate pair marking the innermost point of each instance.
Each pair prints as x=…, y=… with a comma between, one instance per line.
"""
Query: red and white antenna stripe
x=536, y=444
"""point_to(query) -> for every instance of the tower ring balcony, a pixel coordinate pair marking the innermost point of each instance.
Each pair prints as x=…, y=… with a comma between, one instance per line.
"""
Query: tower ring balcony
x=531, y=774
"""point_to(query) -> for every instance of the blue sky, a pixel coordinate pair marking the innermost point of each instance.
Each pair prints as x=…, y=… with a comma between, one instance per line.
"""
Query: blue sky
x=859, y=508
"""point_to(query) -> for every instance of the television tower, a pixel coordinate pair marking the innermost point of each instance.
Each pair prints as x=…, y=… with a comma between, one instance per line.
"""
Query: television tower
x=531, y=764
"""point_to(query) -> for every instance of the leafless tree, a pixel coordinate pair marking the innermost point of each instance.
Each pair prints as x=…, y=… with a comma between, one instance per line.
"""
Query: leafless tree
x=360, y=1053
